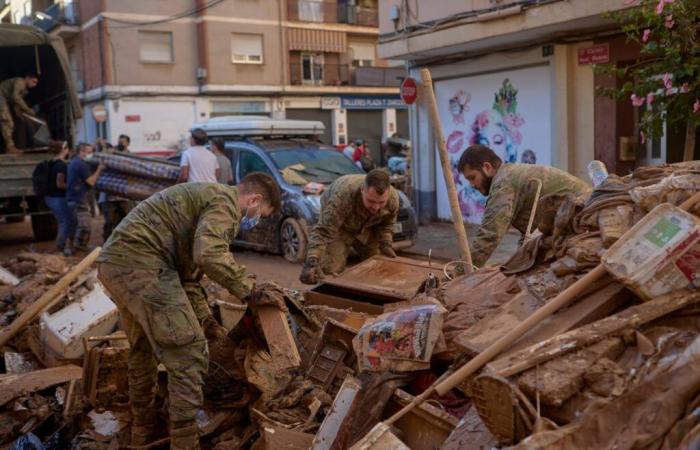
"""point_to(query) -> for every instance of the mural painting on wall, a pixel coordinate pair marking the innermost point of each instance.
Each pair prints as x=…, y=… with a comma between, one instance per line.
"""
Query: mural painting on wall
x=495, y=119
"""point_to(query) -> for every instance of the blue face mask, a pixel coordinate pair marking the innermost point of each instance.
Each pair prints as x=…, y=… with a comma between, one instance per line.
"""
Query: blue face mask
x=248, y=223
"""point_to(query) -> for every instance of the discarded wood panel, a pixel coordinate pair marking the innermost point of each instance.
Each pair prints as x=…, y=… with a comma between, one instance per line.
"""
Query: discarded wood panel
x=344, y=404
x=559, y=379
x=231, y=313
x=323, y=295
x=593, y=332
x=380, y=438
x=594, y=306
x=470, y=434
x=491, y=328
x=347, y=317
x=424, y=427
x=13, y=386
x=278, y=438
x=278, y=335
x=397, y=278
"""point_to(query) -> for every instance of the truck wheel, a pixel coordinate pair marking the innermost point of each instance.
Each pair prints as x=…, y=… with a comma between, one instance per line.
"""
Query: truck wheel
x=44, y=227
x=292, y=240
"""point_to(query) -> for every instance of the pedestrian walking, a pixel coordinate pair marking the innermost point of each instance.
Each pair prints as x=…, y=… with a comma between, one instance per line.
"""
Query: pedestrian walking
x=198, y=165
x=55, y=194
x=80, y=180
x=225, y=169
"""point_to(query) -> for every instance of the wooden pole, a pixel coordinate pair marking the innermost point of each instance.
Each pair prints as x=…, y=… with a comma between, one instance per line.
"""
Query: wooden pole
x=46, y=299
x=457, y=220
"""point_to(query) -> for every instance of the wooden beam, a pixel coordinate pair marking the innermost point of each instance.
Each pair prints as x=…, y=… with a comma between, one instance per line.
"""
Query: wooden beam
x=13, y=386
x=589, y=334
x=278, y=335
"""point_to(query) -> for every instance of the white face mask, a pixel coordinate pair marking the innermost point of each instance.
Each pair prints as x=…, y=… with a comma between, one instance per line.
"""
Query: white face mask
x=89, y=156
x=248, y=222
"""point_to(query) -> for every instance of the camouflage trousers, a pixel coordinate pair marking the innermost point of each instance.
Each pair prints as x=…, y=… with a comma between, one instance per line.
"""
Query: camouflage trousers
x=7, y=125
x=79, y=221
x=162, y=327
x=113, y=212
x=335, y=258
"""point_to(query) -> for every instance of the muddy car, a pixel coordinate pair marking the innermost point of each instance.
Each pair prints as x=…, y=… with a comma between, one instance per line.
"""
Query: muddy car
x=290, y=152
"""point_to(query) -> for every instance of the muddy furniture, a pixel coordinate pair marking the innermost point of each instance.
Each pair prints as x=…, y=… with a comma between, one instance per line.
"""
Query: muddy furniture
x=368, y=286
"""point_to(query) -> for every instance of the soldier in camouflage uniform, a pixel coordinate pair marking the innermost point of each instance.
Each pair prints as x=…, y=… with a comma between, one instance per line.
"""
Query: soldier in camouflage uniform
x=12, y=92
x=151, y=266
x=357, y=211
x=511, y=194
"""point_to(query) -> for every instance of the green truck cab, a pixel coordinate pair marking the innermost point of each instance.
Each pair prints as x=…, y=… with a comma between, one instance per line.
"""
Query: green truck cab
x=24, y=48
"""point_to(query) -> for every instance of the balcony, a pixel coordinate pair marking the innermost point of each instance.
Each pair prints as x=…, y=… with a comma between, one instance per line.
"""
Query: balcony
x=331, y=12
x=311, y=74
x=60, y=19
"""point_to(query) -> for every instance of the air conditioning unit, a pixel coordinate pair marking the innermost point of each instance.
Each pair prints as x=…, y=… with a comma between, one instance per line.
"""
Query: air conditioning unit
x=201, y=73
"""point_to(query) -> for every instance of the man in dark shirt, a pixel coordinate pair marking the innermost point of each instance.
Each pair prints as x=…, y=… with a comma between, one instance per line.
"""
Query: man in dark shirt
x=80, y=180
x=55, y=197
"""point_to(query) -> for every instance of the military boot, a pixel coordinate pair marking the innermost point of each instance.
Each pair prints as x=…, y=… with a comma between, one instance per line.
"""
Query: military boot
x=184, y=437
x=143, y=425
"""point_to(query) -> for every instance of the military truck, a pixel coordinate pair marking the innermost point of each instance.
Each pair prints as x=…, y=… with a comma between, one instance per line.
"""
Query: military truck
x=22, y=49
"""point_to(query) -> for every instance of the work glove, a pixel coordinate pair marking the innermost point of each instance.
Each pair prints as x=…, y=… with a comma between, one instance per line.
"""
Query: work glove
x=311, y=273
x=387, y=250
x=266, y=294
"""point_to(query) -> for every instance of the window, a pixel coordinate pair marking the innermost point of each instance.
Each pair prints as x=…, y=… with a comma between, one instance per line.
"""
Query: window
x=156, y=46
x=311, y=68
x=246, y=48
x=362, y=53
x=250, y=162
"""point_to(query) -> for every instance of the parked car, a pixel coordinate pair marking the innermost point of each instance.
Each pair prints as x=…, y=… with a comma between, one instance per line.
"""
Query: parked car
x=290, y=152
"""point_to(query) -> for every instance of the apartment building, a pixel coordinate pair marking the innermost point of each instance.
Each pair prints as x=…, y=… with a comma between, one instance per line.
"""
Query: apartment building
x=518, y=76
x=152, y=68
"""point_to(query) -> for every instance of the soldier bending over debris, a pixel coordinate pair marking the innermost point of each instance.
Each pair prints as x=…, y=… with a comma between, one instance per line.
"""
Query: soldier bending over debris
x=151, y=266
x=357, y=211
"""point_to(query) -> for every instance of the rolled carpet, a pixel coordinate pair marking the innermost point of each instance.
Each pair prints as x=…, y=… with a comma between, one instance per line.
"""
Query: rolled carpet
x=139, y=166
x=130, y=186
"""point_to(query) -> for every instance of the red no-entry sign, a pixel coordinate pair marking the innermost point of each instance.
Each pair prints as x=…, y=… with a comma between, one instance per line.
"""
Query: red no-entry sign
x=409, y=91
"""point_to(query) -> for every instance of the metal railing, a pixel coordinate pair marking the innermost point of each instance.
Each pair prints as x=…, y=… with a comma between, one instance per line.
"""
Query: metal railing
x=343, y=75
x=331, y=12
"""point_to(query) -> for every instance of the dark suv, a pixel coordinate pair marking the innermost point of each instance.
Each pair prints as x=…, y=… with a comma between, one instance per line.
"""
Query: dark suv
x=296, y=163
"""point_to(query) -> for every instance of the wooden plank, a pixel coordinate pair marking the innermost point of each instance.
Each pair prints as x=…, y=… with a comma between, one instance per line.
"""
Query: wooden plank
x=339, y=419
x=593, y=307
x=488, y=330
x=13, y=386
x=323, y=299
x=589, y=334
x=279, y=337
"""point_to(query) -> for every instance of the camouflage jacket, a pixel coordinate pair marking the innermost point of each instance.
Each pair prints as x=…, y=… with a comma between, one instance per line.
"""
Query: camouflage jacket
x=14, y=90
x=343, y=216
x=510, y=201
x=187, y=227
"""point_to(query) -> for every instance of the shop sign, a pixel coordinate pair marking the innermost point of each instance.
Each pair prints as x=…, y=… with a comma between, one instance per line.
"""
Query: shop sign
x=371, y=102
x=597, y=54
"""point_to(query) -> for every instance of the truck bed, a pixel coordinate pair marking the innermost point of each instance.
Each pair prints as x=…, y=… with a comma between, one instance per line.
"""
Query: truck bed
x=16, y=173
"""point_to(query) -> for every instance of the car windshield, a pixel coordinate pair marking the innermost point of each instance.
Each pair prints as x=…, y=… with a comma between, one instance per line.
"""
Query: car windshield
x=302, y=166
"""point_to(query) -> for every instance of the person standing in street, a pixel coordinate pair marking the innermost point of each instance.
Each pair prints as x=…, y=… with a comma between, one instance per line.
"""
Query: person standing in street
x=511, y=194
x=357, y=212
x=80, y=180
x=113, y=207
x=12, y=92
x=55, y=196
x=225, y=169
x=152, y=266
x=198, y=165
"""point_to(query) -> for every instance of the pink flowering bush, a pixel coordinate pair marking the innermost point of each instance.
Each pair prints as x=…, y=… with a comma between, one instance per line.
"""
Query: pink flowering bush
x=664, y=82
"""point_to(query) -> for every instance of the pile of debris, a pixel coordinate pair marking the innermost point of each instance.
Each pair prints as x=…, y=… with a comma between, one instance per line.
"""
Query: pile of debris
x=617, y=368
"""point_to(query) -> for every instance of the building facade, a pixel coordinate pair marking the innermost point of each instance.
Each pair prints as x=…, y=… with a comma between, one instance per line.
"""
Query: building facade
x=519, y=77
x=150, y=69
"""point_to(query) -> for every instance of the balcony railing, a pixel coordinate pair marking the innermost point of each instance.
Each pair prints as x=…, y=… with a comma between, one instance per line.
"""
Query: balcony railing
x=331, y=12
x=343, y=75
x=61, y=14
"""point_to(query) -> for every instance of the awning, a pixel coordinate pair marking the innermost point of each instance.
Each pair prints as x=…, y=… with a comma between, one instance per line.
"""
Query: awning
x=309, y=40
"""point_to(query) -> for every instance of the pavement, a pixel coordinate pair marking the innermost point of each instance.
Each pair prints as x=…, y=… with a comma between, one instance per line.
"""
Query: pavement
x=442, y=239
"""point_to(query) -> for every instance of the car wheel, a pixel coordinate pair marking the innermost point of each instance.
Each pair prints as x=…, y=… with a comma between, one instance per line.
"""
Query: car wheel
x=292, y=240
